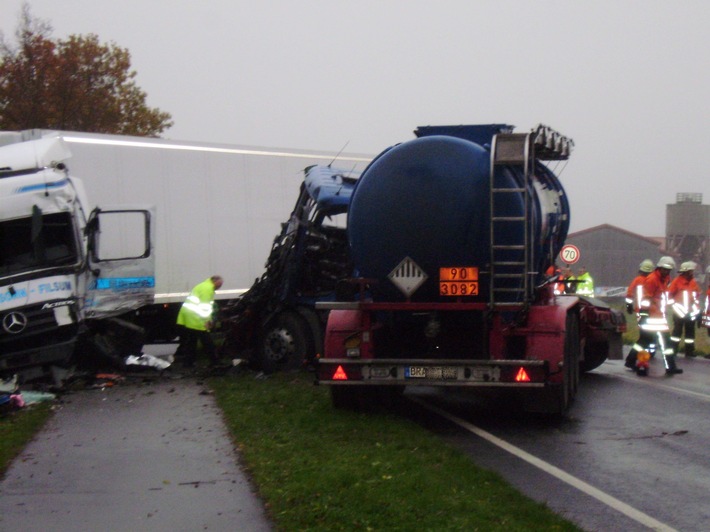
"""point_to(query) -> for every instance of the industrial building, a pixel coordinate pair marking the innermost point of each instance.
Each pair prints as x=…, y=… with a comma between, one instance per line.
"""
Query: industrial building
x=612, y=254
x=688, y=228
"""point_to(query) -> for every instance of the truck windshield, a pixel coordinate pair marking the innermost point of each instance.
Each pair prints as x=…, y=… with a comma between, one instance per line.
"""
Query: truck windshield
x=38, y=241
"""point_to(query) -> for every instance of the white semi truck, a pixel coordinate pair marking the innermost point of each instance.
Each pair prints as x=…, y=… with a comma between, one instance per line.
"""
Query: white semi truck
x=67, y=270
x=217, y=207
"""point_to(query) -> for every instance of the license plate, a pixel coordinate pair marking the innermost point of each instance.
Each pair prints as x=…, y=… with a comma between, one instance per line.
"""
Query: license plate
x=422, y=372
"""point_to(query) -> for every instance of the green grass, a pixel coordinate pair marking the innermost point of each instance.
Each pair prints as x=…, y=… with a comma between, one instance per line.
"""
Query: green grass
x=17, y=429
x=318, y=468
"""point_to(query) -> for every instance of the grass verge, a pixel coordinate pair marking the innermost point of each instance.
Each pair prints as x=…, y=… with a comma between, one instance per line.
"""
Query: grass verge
x=17, y=429
x=318, y=468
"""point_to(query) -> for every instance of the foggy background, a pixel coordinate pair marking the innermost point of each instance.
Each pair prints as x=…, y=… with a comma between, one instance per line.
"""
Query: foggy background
x=627, y=80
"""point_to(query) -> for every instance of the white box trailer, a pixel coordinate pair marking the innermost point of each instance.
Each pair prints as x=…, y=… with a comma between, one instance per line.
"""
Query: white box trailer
x=218, y=206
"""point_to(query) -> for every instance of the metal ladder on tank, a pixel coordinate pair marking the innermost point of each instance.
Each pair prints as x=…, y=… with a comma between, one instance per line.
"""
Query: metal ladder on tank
x=511, y=278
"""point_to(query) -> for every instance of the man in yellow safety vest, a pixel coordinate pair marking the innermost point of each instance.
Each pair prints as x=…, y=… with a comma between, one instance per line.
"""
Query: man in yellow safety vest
x=195, y=321
x=585, y=283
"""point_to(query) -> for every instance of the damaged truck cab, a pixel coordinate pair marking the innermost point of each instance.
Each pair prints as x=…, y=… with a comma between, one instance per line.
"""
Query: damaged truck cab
x=67, y=272
x=276, y=322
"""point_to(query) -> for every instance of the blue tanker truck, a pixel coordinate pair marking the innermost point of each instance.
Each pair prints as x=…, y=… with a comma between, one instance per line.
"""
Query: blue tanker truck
x=451, y=236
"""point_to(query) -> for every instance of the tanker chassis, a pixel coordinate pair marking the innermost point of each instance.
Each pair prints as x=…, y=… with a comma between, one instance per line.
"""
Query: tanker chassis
x=451, y=235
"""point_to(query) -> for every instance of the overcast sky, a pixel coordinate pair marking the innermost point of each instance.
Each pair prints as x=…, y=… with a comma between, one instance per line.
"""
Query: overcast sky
x=628, y=80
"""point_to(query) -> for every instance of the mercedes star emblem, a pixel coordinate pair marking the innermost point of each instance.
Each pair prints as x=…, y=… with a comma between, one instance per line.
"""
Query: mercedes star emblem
x=14, y=322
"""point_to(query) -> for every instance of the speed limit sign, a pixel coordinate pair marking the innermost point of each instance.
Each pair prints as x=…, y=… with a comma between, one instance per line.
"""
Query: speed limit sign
x=569, y=254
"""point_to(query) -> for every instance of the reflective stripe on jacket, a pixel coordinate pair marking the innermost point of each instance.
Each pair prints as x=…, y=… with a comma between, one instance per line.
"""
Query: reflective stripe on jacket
x=684, y=297
x=654, y=302
x=197, y=309
x=634, y=293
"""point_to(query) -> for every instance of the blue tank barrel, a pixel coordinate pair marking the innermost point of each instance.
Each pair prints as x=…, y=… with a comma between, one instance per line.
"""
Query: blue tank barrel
x=429, y=199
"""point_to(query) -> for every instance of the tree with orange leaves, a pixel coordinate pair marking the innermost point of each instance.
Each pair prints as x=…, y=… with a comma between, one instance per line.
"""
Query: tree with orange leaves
x=76, y=84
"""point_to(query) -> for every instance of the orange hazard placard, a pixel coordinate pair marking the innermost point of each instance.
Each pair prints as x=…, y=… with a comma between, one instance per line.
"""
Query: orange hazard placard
x=458, y=281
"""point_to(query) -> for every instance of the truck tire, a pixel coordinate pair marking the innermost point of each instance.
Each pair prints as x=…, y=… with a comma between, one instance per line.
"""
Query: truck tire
x=285, y=343
x=576, y=353
x=97, y=352
x=595, y=353
x=564, y=393
x=316, y=328
x=556, y=399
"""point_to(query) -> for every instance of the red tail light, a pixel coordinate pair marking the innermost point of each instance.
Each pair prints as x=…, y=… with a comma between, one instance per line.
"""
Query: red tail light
x=522, y=376
x=340, y=374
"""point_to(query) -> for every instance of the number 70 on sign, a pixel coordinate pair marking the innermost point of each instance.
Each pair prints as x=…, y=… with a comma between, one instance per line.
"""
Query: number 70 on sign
x=569, y=254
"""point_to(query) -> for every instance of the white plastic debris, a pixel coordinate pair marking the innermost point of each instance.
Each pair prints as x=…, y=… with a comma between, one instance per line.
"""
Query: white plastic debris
x=148, y=361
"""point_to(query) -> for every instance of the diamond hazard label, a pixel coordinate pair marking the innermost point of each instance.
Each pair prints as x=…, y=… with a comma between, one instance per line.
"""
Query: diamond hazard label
x=407, y=276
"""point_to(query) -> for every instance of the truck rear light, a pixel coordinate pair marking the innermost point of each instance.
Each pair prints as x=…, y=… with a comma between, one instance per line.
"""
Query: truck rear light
x=352, y=345
x=340, y=374
x=522, y=376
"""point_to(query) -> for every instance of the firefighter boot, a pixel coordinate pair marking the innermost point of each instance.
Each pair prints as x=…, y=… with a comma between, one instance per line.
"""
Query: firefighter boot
x=671, y=368
x=630, y=361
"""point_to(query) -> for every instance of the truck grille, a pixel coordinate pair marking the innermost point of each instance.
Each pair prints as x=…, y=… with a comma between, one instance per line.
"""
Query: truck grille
x=33, y=330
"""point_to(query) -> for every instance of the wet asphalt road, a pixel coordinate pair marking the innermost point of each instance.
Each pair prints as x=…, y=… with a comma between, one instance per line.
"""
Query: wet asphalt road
x=158, y=457
x=148, y=457
x=644, y=442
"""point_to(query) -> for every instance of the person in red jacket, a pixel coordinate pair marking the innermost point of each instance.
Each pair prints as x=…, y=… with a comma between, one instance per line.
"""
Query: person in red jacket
x=652, y=316
x=634, y=296
x=684, y=298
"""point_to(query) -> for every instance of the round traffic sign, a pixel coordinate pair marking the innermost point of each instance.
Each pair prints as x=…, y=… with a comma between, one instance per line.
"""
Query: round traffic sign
x=569, y=254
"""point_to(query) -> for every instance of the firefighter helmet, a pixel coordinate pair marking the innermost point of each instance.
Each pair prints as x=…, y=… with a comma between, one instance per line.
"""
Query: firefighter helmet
x=667, y=263
x=687, y=267
x=646, y=266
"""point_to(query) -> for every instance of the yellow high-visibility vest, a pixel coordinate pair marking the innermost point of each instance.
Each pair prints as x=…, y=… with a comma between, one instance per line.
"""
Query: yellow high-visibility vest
x=198, y=307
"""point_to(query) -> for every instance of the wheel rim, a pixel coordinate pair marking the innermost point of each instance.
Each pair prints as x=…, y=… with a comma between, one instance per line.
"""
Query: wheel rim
x=279, y=345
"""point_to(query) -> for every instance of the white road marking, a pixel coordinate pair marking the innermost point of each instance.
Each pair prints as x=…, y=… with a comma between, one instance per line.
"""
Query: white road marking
x=612, y=502
x=631, y=377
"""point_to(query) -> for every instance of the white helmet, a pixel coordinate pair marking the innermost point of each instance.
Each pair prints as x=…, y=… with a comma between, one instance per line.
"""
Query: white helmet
x=687, y=267
x=667, y=263
x=646, y=266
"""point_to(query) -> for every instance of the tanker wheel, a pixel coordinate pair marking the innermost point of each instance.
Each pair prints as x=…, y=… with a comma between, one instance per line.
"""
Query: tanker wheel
x=285, y=344
x=576, y=348
x=595, y=353
x=567, y=391
x=558, y=398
